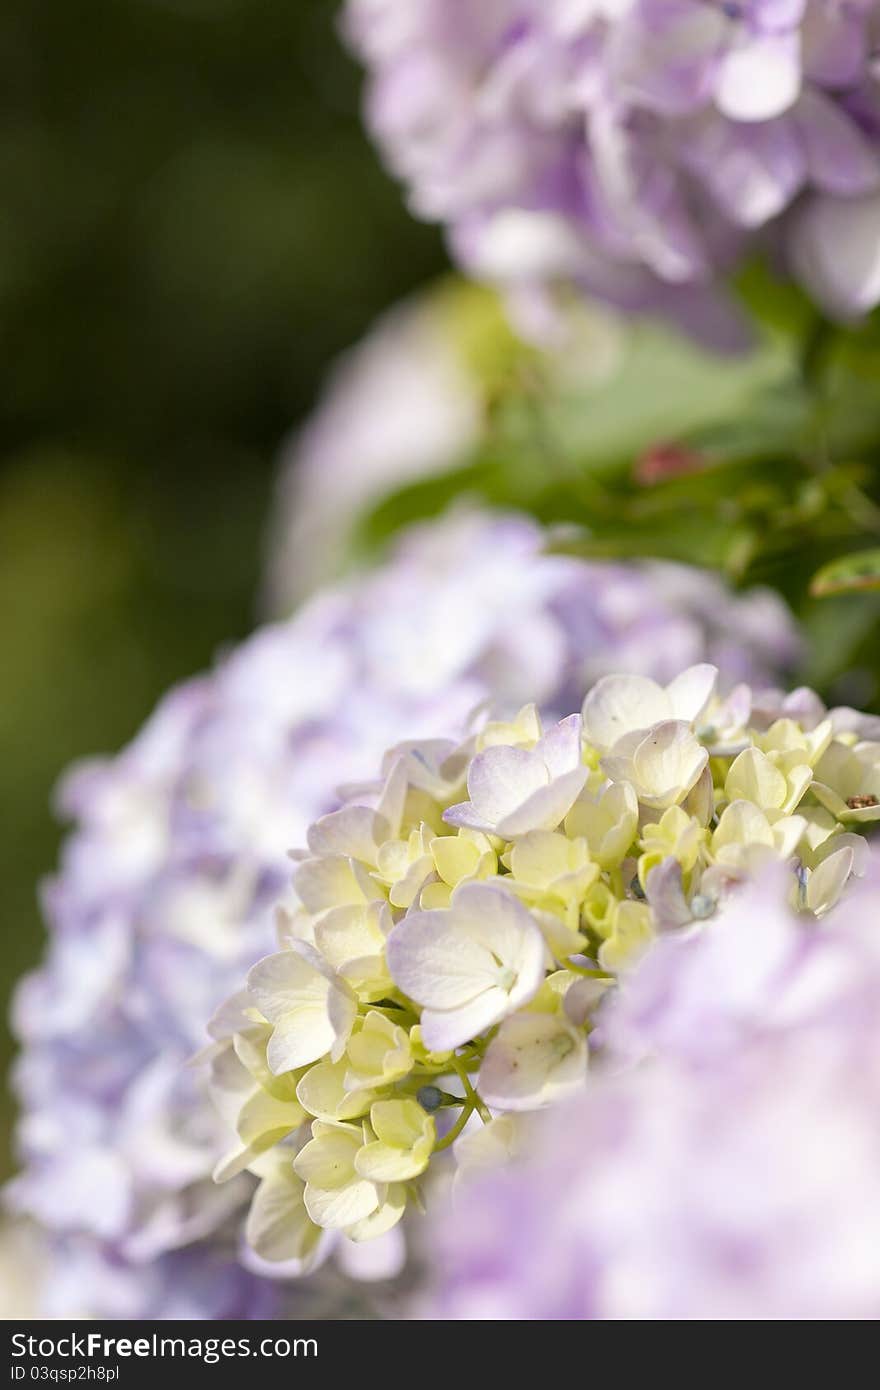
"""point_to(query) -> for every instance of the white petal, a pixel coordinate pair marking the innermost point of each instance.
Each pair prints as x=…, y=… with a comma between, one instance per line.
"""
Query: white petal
x=489, y=1146
x=546, y=808
x=501, y=924
x=754, y=778
x=669, y=759
x=760, y=79
x=826, y=883
x=281, y=982
x=393, y=799
x=344, y=934
x=232, y=1164
x=742, y=823
x=519, y=244
x=464, y=816
x=380, y=1249
x=301, y=1037
x=501, y=778
x=354, y=831
x=834, y=244
x=560, y=748
x=787, y=835
x=342, y=1206
x=264, y=1116
x=454, y=1027
x=535, y=1059
x=327, y=1160
x=690, y=693
x=329, y=882
x=384, y=1163
x=618, y=704
x=435, y=964
x=342, y=1010
x=700, y=800
x=323, y=1093
x=278, y=1226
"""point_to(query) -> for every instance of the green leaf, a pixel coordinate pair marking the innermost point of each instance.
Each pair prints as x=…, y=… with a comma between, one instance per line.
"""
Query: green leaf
x=848, y=574
x=774, y=301
x=666, y=389
x=840, y=635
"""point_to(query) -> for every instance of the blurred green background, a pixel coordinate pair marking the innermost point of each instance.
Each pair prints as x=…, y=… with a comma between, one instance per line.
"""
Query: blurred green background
x=192, y=225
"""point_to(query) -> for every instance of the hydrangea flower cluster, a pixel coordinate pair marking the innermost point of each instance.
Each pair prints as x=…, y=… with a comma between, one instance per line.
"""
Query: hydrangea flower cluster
x=165, y=893
x=455, y=926
x=734, y=1172
x=638, y=148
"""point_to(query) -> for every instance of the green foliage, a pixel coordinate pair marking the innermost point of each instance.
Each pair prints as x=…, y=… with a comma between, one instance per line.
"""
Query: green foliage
x=765, y=466
x=848, y=574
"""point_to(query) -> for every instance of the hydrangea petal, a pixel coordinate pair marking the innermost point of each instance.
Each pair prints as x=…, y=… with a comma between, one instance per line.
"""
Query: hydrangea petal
x=535, y=1059
x=616, y=705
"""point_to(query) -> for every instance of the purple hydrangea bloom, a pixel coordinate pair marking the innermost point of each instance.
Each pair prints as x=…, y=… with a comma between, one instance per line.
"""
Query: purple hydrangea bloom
x=166, y=887
x=735, y=1171
x=639, y=148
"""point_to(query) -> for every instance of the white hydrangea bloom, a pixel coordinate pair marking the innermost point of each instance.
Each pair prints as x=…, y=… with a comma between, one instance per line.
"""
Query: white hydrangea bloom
x=444, y=962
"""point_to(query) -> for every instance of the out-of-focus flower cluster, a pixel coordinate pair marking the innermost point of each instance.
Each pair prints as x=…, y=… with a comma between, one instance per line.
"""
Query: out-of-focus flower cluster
x=456, y=925
x=734, y=1172
x=403, y=403
x=166, y=887
x=639, y=148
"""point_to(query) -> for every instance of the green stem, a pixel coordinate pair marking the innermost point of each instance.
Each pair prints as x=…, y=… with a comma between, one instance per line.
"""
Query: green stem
x=450, y=1138
x=587, y=971
x=816, y=354
x=474, y=1100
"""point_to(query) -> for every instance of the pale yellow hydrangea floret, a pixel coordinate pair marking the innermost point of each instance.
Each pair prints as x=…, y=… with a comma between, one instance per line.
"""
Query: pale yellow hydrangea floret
x=745, y=837
x=326, y=1092
x=262, y=1108
x=608, y=823
x=551, y=870
x=379, y=1052
x=469, y=966
x=847, y=782
x=827, y=881
x=663, y=764
x=442, y=968
x=759, y=779
x=675, y=833
x=311, y=1009
x=456, y=859
x=620, y=706
x=278, y=1226
x=405, y=1136
x=535, y=1059
x=490, y=1145
x=631, y=933
x=434, y=1059
x=336, y=1196
x=404, y=866
x=522, y=732
x=352, y=941
x=790, y=746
